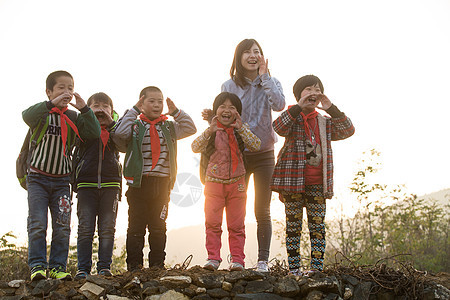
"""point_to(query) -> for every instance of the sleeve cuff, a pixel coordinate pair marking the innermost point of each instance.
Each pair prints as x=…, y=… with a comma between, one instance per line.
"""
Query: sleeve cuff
x=85, y=109
x=175, y=113
x=294, y=111
x=334, y=112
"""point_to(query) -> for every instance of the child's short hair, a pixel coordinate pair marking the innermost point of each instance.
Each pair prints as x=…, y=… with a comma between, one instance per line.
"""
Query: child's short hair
x=305, y=81
x=149, y=89
x=51, y=78
x=222, y=97
x=102, y=98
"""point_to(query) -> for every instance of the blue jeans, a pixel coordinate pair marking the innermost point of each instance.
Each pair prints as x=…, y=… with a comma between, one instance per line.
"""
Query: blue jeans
x=45, y=193
x=96, y=205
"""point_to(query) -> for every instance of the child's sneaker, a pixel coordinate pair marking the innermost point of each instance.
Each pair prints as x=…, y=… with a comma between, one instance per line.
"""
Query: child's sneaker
x=38, y=273
x=212, y=265
x=262, y=266
x=235, y=266
x=105, y=272
x=81, y=275
x=58, y=273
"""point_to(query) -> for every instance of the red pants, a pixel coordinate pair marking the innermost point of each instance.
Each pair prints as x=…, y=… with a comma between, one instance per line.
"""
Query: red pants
x=233, y=198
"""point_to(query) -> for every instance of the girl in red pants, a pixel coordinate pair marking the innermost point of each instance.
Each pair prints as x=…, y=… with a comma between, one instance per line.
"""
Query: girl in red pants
x=222, y=170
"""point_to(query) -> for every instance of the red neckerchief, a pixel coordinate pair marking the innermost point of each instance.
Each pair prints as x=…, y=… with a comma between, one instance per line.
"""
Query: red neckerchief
x=64, y=119
x=232, y=142
x=154, y=137
x=104, y=136
x=311, y=116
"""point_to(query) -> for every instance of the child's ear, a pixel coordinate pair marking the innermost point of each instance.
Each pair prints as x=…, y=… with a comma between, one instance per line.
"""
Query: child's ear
x=48, y=92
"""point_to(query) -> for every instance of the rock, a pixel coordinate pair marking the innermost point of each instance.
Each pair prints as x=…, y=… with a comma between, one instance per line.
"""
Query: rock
x=15, y=283
x=258, y=286
x=327, y=284
x=170, y=295
x=57, y=296
x=332, y=296
x=362, y=290
x=209, y=281
x=200, y=290
x=17, y=297
x=134, y=283
x=315, y=295
x=151, y=290
x=115, y=297
x=72, y=293
x=227, y=286
x=248, y=275
x=103, y=282
x=436, y=291
x=91, y=290
x=45, y=286
x=218, y=293
x=202, y=297
x=258, y=296
x=287, y=287
x=176, y=281
x=190, y=292
x=350, y=279
x=24, y=290
x=8, y=291
x=385, y=295
x=348, y=292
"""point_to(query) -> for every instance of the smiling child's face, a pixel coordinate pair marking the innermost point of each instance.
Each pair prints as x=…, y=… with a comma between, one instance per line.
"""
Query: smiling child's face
x=153, y=104
x=100, y=109
x=312, y=90
x=64, y=84
x=226, y=113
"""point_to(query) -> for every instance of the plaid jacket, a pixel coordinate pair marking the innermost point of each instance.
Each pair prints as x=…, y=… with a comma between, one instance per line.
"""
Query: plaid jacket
x=289, y=173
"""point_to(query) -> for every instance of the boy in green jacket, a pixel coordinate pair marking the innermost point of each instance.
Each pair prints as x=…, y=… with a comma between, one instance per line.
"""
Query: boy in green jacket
x=48, y=181
x=150, y=169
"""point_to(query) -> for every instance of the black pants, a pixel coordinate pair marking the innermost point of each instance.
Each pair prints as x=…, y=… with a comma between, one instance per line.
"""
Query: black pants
x=147, y=208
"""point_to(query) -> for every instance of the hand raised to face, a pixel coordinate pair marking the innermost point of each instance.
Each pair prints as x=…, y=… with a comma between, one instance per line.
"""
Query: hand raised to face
x=263, y=65
x=79, y=102
x=170, y=107
x=238, y=121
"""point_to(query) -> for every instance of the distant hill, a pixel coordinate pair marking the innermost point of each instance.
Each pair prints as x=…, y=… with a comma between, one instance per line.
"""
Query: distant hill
x=442, y=196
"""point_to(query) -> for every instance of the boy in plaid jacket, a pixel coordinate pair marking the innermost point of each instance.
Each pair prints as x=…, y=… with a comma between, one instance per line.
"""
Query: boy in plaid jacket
x=303, y=174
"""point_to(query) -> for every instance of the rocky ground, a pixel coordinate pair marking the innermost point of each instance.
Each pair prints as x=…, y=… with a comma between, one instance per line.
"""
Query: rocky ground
x=196, y=283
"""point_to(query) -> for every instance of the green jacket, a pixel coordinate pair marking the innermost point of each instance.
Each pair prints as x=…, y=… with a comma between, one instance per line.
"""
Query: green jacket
x=134, y=161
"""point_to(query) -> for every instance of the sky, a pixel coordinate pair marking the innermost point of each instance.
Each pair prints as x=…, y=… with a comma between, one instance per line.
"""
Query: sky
x=386, y=64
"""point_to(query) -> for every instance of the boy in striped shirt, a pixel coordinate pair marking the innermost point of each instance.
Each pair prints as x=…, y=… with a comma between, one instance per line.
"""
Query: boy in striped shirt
x=150, y=169
x=49, y=176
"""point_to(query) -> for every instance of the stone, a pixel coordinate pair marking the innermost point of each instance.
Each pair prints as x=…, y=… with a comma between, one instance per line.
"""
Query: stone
x=171, y=295
x=326, y=284
x=315, y=295
x=202, y=297
x=362, y=290
x=332, y=296
x=45, y=286
x=258, y=286
x=115, y=297
x=151, y=290
x=189, y=292
x=176, y=281
x=385, y=295
x=56, y=296
x=436, y=291
x=134, y=283
x=227, y=286
x=258, y=296
x=350, y=279
x=91, y=290
x=24, y=290
x=348, y=292
x=4, y=285
x=16, y=297
x=200, y=290
x=103, y=282
x=15, y=283
x=209, y=281
x=286, y=287
x=72, y=293
x=218, y=293
x=247, y=275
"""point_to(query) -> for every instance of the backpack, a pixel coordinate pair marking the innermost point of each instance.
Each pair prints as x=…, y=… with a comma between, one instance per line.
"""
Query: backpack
x=30, y=142
x=28, y=146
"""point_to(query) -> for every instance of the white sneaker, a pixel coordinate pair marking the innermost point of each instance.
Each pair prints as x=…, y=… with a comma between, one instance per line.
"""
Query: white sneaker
x=212, y=265
x=262, y=266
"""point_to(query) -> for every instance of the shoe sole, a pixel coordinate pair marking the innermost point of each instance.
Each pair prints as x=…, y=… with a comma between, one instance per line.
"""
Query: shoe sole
x=38, y=276
x=210, y=268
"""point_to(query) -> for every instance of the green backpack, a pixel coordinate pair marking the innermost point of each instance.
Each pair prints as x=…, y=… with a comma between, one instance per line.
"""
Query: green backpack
x=32, y=139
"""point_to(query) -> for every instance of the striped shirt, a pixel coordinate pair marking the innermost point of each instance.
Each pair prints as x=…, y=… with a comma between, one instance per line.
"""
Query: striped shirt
x=162, y=168
x=48, y=157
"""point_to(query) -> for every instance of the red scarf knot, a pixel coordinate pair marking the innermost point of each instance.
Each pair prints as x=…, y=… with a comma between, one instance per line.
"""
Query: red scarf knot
x=232, y=142
x=154, y=137
x=64, y=119
x=311, y=116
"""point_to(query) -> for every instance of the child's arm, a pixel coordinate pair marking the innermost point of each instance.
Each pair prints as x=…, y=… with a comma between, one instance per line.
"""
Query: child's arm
x=283, y=124
x=251, y=141
x=272, y=87
x=87, y=124
x=122, y=131
x=184, y=125
x=341, y=126
x=34, y=113
x=200, y=143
